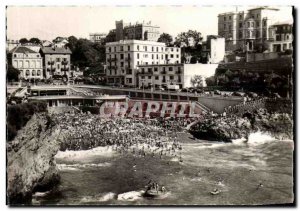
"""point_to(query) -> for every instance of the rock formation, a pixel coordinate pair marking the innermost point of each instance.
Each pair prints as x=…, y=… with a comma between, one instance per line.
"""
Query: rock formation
x=219, y=128
x=30, y=159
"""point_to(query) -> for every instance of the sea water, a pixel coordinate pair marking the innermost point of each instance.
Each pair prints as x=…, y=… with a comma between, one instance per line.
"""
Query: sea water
x=253, y=172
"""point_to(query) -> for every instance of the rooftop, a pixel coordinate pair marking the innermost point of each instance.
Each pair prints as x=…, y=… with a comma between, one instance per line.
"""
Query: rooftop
x=53, y=50
x=22, y=49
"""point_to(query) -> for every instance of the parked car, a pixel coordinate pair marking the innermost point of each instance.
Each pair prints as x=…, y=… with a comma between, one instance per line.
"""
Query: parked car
x=217, y=92
x=238, y=94
x=252, y=94
x=183, y=90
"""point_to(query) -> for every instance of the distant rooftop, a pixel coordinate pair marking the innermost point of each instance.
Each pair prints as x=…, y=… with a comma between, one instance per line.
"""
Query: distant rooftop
x=52, y=50
x=256, y=8
x=287, y=22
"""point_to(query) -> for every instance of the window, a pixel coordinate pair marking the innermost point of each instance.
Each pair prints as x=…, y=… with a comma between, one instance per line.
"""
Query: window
x=156, y=78
x=152, y=56
x=171, y=77
x=264, y=23
x=224, y=18
x=162, y=56
x=155, y=69
x=172, y=55
x=143, y=77
x=15, y=55
x=177, y=56
x=128, y=48
x=229, y=17
x=122, y=64
x=145, y=48
x=58, y=66
x=224, y=26
x=156, y=56
x=241, y=17
x=115, y=48
x=149, y=77
x=138, y=63
x=240, y=24
x=121, y=56
x=33, y=72
x=57, y=59
x=257, y=24
x=152, y=49
x=27, y=72
x=170, y=68
x=21, y=64
x=38, y=72
x=252, y=24
x=156, y=49
x=138, y=47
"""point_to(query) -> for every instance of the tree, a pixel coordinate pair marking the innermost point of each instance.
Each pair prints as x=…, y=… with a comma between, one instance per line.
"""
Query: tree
x=12, y=73
x=72, y=40
x=35, y=40
x=165, y=38
x=211, y=81
x=23, y=41
x=190, y=38
x=197, y=81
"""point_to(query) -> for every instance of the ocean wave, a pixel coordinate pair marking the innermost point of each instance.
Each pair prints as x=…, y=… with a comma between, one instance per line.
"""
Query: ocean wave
x=76, y=167
x=82, y=154
x=101, y=198
x=259, y=138
x=131, y=196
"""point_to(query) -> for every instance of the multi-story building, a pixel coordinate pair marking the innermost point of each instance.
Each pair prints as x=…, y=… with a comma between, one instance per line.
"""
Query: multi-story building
x=283, y=37
x=163, y=75
x=124, y=57
x=138, y=31
x=28, y=62
x=98, y=37
x=214, y=49
x=57, y=61
x=247, y=30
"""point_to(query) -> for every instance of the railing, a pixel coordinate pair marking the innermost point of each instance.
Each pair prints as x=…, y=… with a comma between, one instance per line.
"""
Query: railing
x=51, y=62
x=112, y=60
x=51, y=69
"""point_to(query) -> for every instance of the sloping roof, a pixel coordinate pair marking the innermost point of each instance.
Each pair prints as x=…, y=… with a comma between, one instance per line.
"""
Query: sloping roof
x=22, y=49
x=51, y=50
x=287, y=22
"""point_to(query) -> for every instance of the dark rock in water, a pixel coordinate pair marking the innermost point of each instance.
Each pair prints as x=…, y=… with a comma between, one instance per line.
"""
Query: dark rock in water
x=279, y=125
x=30, y=160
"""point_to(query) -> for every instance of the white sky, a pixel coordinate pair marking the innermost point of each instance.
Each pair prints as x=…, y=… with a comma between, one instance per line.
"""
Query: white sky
x=49, y=22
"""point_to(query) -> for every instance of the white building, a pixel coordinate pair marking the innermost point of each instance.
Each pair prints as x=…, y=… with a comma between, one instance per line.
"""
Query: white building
x=124, y=57
x=162, y=75
x=214, y=49
x=28, y=62
x=97, y=37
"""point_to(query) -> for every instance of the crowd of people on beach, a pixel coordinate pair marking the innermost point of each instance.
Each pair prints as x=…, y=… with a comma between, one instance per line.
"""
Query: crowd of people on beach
x=141, y=137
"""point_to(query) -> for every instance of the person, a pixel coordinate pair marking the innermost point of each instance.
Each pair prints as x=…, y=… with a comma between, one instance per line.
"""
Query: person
x=163, y=189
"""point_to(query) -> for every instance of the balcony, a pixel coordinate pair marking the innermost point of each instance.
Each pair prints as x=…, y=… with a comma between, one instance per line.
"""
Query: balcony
x=51, y=62
x=112, y=60
x=64, y=62
x=64, y=69
x=51, y=69
x=163, y=72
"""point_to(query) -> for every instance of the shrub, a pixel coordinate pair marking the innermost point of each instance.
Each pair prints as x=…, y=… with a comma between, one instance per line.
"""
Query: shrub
x=18, y=115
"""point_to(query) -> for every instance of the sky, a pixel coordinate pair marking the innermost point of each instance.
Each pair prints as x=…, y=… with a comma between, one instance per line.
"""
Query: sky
x=48, y=22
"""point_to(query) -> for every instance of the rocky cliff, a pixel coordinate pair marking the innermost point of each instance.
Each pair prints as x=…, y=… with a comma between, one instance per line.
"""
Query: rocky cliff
x=220, y=128
x=30, y=159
